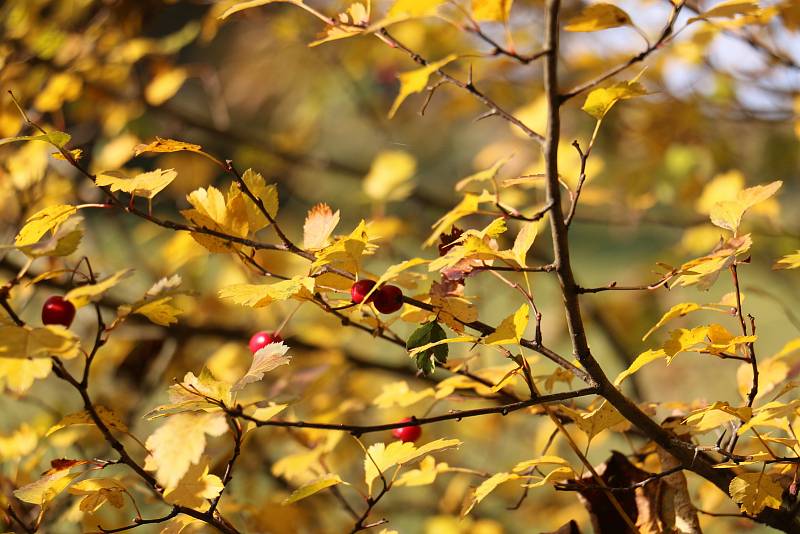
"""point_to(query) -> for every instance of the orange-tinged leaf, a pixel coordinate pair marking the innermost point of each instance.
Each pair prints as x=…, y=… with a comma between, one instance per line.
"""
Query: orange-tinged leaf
x=318, y=227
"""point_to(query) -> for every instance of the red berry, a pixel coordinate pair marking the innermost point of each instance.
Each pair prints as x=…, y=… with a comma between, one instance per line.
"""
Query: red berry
x=56, y=310
x=388, y=299
x=360, y=289
x=407, y=433
x=262, y=339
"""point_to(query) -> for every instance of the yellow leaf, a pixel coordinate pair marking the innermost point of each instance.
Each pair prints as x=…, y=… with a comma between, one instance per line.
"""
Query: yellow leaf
x=790, y=261
x=425, y=475
x=306, y=490
x=416, y=80
x=264, y=360
x=83, y=295
x=381, y=457
x=756, y=491
x=267, y=193
x=346, y=251
x=559, y=474
x=260, y=295
x=167, y=145
x=266, y=413
x=160, y=311
x=600, y=101
x=389, y=177
x=455, y=312
x=640, y=361
x=596, y=17
x=146, y=184
x=18, y=374
x=594, y=422
x=164, y=85
x=414, y=8
x=196, y=487
x=717, y=414
x=249, y=4
x=98, y=491
x=61, y=87
x=728, y=213
x=771, y=372
x=483, y=176
x=41, y=342
x=179, y=443
x=394, y=271
x=678, y=310
x=63, y=242
x=704, y=271
x=727, y=9
x=543, y=460
x=461, y=339
x=319, y=225
x=50, y=484
x=19, y=443
x=491, y=10
x=485, y=488
x=43, y=221
x=524, y=241
x=108, y=417
x=211, y=211
x=468, y=205
x=399, y=394
x=511, y=329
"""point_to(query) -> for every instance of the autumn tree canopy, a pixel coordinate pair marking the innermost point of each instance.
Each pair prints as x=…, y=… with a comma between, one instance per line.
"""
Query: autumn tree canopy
x=463, y=266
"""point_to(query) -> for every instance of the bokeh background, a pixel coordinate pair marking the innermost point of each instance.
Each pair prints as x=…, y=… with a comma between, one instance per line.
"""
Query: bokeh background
x=720, y=113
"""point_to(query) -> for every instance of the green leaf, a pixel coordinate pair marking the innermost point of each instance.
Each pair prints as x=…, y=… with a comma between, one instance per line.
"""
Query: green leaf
x=57, y=139
x=426, y=334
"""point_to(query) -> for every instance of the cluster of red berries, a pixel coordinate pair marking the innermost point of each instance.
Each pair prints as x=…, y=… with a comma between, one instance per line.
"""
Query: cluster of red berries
x=56, y=310
x=387, y=298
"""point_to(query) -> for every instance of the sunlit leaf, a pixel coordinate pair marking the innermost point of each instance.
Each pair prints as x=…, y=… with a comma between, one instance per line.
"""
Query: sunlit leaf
x=756, y=491
x=264, y=360
x=195, y=487
x=491, y=10
x=511, y=329
x=43, y=221
x=485, y=488
x=600, y=16
x=179, y=443
x=83, y=295
x=320, y=223
x=416, y=80
x=146, y=184
x=323, y=482
x=260, y=295
x=381, y=457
